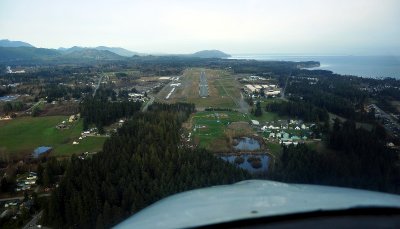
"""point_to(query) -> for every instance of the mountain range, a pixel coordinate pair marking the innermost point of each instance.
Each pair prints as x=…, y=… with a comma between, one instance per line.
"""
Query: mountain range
x=22, y=51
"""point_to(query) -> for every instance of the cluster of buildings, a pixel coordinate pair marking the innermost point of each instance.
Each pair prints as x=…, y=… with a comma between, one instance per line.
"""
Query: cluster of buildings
x=11, y=85
x=173, y=78
x=311, y=80
x=269, y=89
x=287, y=132
x=13, y=209
x=137, y=97
x=10, y=71
x=254, y=84
x=86, y=133
x=71, y=119
x=27, y=182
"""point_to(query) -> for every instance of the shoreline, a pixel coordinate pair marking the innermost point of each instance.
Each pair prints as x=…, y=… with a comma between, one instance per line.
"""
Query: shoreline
x=373, y=67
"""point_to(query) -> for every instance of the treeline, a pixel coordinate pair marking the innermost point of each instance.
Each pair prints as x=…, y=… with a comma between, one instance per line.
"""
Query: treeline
x=106, y=93
x=101, y=113
x=5, y=90
x=50, y=171
x=385, y=97
x=299, y=109
x=9, y=107
x=338, y=94
x=55, y=91
x=217, y=109
x=360, y=160
x=181, y=110
x=140, y=164
x=51, y=74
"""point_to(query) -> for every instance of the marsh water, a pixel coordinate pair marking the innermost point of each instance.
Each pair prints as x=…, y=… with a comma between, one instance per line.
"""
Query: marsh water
x=247, y=165
x=247, y=144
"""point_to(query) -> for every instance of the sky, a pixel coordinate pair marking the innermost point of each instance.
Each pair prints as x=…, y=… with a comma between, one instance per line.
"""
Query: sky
x=318, y=27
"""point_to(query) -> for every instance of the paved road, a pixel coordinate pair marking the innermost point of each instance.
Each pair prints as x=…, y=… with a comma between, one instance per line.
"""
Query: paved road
x=34, y=105
x=21, y=197
x=151, y=101
x=284, y=89
x=34, y=221
x=98, y=84
x=389, y=117
x=244, y=106
x=12, y=198
x=240, y=103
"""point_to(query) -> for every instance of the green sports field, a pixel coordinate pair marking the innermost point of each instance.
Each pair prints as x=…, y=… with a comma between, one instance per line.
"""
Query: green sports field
x=22, y=135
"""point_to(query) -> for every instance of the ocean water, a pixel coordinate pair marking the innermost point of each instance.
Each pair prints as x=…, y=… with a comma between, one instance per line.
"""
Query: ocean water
x=363, y=66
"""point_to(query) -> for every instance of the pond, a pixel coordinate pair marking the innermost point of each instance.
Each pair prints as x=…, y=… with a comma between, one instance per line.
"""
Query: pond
x=262, y=160
x=247, y=144
x=8, y=98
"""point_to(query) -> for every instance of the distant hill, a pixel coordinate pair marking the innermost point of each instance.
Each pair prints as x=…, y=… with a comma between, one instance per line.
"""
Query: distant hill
x=26, y=53
x=89, y=53
x=8, y=43
x=116, y=50
x=210, y=54
x=72, y=49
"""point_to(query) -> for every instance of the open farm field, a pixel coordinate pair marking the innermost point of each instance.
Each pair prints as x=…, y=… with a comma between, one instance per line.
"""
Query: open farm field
x=21, y=136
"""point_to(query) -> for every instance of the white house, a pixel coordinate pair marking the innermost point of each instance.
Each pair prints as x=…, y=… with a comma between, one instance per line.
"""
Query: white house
x=272, y=135
x=273, y=127
x=273, y=92
x=135, y=95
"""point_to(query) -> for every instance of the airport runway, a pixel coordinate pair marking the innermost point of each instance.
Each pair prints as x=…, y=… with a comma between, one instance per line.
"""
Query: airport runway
x=203, y=85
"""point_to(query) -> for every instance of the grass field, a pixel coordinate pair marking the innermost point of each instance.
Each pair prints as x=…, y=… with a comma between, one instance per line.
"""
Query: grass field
x=266, y=117
x=211, y=127
x=21, y=136
x=274, y=148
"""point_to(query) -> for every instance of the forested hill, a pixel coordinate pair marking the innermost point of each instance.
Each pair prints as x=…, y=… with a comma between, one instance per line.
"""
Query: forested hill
x=16, y=54
x=8, y=43
x=210, y=54
x=142, y=163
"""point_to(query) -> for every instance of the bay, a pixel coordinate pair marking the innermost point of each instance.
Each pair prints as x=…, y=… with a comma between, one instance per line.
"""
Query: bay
x=363, y=66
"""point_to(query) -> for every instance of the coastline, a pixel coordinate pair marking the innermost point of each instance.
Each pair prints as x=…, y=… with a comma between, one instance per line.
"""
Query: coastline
x=361, y=66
